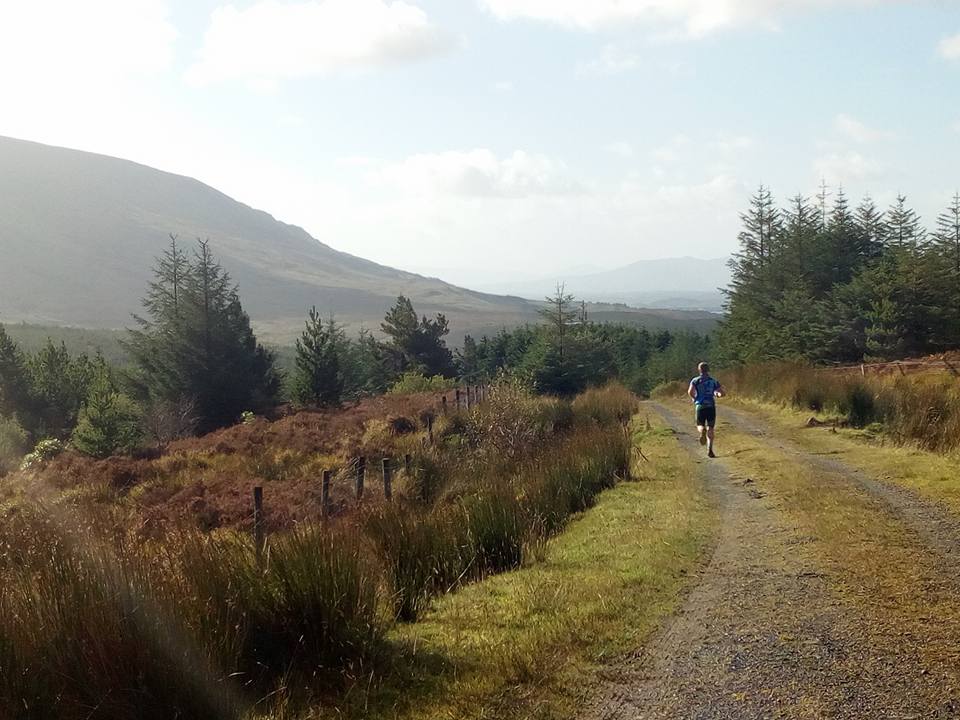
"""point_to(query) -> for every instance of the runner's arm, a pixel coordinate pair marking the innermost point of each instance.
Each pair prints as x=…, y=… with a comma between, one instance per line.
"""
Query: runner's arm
x=692, y=391
x=720, y=391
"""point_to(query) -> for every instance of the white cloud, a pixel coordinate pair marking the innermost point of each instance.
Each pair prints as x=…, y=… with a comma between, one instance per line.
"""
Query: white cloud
x=612, y=61
x=841, y=168
x=671, y=152
x=503, y=86
x=950, y=47
x=621, y=148
x=733, y=144
x=853, y=129
x=272, y=40
x=691, y=18
x=47, y=45
x=478, y=173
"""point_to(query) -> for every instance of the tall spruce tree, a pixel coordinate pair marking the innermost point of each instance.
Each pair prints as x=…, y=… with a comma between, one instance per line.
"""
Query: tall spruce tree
x=16, y=395
x=417, y=344
x=559, y=314
x=195, y=342
x=845, y=285
x=871, y=229
x=946, y=239
x=903, y=228
x=468, y=360
x=318, y=379
x=60, y=384
x=109, y=421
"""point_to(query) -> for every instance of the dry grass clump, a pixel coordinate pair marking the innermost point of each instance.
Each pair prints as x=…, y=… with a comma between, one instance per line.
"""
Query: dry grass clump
x=97, y=622
x=489, y=514
x=198, y=628
x=610, y=404
x=922, y=409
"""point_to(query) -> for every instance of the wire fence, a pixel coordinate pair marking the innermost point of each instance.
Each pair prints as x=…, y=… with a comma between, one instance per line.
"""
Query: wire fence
x=356, y=471
x=901, y=367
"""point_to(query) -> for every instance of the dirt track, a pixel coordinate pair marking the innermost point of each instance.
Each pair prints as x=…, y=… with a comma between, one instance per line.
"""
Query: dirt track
x=776, y=626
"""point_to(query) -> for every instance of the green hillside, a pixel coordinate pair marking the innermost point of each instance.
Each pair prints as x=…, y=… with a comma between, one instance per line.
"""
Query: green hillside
x=80, y=232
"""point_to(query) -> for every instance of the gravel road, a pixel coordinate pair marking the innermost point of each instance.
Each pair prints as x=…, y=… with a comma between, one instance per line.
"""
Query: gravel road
x=764, y=631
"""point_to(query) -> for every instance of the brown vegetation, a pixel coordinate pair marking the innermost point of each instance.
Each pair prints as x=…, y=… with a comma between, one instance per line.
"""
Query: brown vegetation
x=207, y=482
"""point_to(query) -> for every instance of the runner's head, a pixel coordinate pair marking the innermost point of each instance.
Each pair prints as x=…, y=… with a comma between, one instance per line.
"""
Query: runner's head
x=703, y=368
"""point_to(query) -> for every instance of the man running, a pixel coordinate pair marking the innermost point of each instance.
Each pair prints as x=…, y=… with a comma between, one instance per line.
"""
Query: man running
x=704, y=390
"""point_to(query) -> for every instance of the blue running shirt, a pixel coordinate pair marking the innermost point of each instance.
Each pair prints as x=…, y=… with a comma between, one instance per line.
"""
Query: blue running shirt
x=705, y=386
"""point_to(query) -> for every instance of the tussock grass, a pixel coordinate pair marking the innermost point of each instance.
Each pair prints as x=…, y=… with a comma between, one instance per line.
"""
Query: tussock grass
x=918, y=409
x=201, y=625
x=532, y=643
x=607, y=405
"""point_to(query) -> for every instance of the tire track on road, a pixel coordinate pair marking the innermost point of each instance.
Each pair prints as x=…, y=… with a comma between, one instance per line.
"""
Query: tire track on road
x=763, y=634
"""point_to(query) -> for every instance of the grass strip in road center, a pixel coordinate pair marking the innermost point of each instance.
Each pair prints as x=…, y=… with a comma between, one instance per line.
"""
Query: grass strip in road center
x=908, y=607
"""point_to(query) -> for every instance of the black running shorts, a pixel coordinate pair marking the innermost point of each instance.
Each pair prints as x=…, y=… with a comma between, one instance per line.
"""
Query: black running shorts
x=706, y=415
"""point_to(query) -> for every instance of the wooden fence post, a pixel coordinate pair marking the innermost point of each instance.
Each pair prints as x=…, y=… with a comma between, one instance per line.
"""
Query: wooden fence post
x=430, y=428
x=443, y=404
x=258, y=538
x=468, y=397
x=387, y=479
x=406, y=464
x=361, y=474
x=325, y=494
x=458, y=399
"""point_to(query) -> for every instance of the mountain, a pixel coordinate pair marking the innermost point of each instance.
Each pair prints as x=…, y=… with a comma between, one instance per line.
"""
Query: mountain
x=683, y=282
x=79, y=233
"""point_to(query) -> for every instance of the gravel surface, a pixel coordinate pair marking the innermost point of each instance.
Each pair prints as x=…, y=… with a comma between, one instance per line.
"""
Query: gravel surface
x=763, y=633
x=936, y=526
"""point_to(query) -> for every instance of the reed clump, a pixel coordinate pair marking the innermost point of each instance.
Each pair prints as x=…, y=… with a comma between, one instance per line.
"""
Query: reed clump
x=188, y=624
x=922, y=409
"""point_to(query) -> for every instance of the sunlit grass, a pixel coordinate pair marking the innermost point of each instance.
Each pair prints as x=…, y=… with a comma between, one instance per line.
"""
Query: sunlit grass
x=931, y=474
x=531, y=643
x=876, y=565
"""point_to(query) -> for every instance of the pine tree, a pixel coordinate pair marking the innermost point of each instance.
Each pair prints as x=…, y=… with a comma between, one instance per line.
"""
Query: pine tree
x=109, y=421
x=318, y=380
x=559, y=314
x=800, y=232
x=196, y=344
x=60, y=384
x=469, y=361
x=872, y=229
x=365, y=365
x=760, y=223
x=417, y=345
x=16, y=397
x=947, y=237
x=903, y=228
x=822, y=206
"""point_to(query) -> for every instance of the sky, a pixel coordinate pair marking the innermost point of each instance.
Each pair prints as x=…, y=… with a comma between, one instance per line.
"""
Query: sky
x=489, y=140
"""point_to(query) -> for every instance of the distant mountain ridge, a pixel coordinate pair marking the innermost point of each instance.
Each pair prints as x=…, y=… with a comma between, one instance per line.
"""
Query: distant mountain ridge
x=682, y=282
x=79, y=233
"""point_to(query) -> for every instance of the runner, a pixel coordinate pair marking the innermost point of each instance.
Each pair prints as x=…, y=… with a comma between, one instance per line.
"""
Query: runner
x=704, y=390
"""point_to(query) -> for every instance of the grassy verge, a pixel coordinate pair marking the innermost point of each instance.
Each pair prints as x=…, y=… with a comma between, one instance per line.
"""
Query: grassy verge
x=932, y=475
x=532, y=643
x=923, y=460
